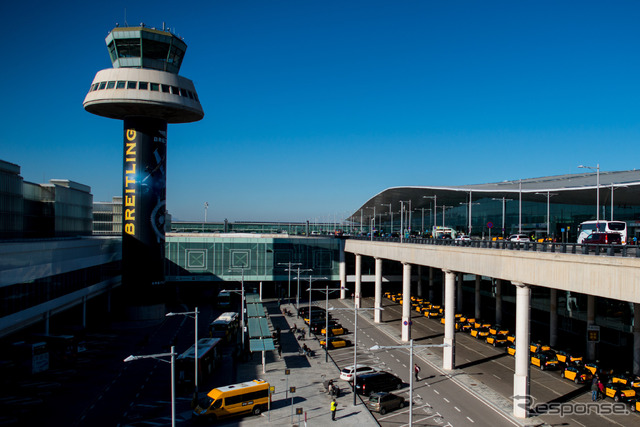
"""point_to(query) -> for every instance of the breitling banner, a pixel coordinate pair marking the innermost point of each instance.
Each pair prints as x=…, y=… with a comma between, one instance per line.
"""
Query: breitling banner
x=144, y=200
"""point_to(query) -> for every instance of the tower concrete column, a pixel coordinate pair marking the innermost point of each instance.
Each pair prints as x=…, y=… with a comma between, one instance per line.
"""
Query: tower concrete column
x=431, y=284
x=343, y=271
x=358, y=292
x=406, y=301
x=521, y=400
x=498, y=301
x=477, y=297
x=419, y=288
x=636, y=339
x=378, y=291
x=448, y=353
x=553, y=317
x=591, y=320
x=459, y=299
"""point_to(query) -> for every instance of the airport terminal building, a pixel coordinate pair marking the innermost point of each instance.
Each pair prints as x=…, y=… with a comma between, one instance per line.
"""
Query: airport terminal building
x=52, y=262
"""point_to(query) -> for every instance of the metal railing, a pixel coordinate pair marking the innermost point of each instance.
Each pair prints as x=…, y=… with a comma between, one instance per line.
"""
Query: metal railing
x=632, y=251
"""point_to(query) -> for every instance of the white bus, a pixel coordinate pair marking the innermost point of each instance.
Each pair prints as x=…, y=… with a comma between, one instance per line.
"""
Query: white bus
x=602, y=226
x=440, y=232
x=224, y=327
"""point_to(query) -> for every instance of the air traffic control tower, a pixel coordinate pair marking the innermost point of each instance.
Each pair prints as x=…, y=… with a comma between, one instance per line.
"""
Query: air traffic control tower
x=145, y=91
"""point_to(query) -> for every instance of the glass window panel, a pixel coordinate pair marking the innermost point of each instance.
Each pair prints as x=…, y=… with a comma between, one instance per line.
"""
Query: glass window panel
x=183, y=92
x=128, y=48
x=155, y=87
x=175, y=90
x=111, y=85
x=190, y=94
x=166, y=89
x=102, y=85
x=154, y=49
x=132, y=85
x=120, y=85
x=143, y=85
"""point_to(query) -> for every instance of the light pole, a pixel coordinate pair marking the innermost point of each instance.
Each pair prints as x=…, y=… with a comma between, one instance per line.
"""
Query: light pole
x=206, y=206
x=520, y=207
x=549, y=195
x=504, y=205
x=612, y=188
x=298, y=290
x=326, y=317
x=289, y=264
x=195, y=317
x=444, y=208
x=410, y=347
x=310, y=279
x=390, y=216
x=355, y=341
x=241, y=304
x=597, y=169
x=173, y=375
x=435, y=208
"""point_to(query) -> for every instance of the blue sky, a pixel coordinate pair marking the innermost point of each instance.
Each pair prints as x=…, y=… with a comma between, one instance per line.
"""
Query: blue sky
x=313, y=107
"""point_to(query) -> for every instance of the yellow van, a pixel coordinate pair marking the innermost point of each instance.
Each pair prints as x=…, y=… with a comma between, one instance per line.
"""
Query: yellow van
x=231, y=400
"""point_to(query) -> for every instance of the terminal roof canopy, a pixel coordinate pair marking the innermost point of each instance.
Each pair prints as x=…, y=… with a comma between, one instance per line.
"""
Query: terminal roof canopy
x=576, y=189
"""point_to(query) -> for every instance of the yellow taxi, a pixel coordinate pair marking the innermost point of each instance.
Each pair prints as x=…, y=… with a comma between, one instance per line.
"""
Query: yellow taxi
x=334, y=330
x=535, y=347
x=511, y=338
x=481, y=324
x=634, y=405
x=395, y=297
x=578, y=375
x=619, y=391
x=434, y=312
x=592, y=367
x=456, y=317
x=567, y=358
x=421, y=308
x=335, y=342
x=511, y=350
x=479, y=333
x=545, y=359
x=497, y=340
x=498, y=330
x=387, y=295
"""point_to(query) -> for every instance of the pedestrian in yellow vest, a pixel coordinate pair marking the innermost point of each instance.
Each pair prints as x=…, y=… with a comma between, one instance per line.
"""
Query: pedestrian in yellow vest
x=334, y=406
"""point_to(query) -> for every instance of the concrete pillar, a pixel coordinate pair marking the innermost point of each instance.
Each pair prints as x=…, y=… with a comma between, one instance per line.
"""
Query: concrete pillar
x=448, y=353
x=431, y=284
x=343, y=272
x=498, y=302
x=636, y=339
x=406, y=302
x=47, y=317
x=419, y=289
x=358, y=292
x=443, y=287
x=521, y=399
x=459, y=299
x=477, y=298
x=591, y=320
x=377, y=314
x=553, y=317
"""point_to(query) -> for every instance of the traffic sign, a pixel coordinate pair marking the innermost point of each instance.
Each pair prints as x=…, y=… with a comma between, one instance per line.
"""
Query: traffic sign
x=489, y=224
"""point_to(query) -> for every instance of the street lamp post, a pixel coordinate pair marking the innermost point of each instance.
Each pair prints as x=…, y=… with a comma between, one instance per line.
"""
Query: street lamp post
x=504, y=209
x=520, y=207
x=195, y=317
x=597, y=169
x=298, y=287
x=310, y=279
x=616, y=188
x=549, y=195
x=241, y=305
x=355, y=341
x=326, y=317
x=411, y=347
x=390, y=216
x=289, y=264
x=435, y=208
x=173, y=375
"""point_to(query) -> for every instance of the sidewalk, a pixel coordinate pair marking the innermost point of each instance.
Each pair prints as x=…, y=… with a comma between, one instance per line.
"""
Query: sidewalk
x=306, y=375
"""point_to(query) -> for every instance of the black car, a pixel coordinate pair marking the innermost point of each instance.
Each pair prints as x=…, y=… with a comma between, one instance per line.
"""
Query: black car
x=317, y=326
x=378, y=381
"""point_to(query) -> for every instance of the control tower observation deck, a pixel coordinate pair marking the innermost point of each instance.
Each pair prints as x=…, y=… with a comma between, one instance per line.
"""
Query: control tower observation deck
x=145, y=91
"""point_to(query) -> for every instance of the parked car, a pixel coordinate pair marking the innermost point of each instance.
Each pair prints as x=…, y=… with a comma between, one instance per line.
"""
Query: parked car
x=347, y=373
x=619, y=391
x=383, y=402
x=519, y=238
x=497, y=340
x=567, y=358
x=378, y=381
x=579, y=375
x=545, y=359
x=479, y=333
x=336, y=342
x=335, y=330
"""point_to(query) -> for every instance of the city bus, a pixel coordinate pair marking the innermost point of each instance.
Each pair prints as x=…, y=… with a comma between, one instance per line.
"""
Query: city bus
x=224, y=327
x=602, y=226
x=30, y=358
x=236, y=399
x=208, y=358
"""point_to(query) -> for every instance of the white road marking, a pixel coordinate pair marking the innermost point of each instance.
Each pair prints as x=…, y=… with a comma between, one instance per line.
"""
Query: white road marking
x=446, y=400
x=470, y=420
x=497, y=377
x=456, y=408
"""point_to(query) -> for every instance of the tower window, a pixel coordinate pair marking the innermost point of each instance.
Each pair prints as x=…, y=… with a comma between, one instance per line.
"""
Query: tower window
x=143, y=85
x=132, y=85
x=120, y=84
x=155, y=87
x=166, y=89
x=111, y=85
x=102, y=85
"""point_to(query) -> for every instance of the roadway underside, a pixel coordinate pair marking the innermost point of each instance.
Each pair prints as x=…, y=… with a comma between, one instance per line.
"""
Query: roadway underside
x=479, y=390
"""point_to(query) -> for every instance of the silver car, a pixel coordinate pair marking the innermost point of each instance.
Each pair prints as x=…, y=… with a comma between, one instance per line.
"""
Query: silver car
x=384, y=402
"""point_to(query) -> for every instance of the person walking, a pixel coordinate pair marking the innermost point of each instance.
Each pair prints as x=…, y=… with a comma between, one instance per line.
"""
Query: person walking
x=279, y=350
x=334, y=406
x=416, y=369
x=594, y=389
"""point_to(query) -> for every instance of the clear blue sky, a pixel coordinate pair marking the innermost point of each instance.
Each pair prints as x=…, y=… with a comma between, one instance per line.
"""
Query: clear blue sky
x=313, y=107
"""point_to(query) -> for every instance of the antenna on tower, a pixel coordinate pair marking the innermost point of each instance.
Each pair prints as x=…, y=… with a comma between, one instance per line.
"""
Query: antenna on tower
x=125, y=17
